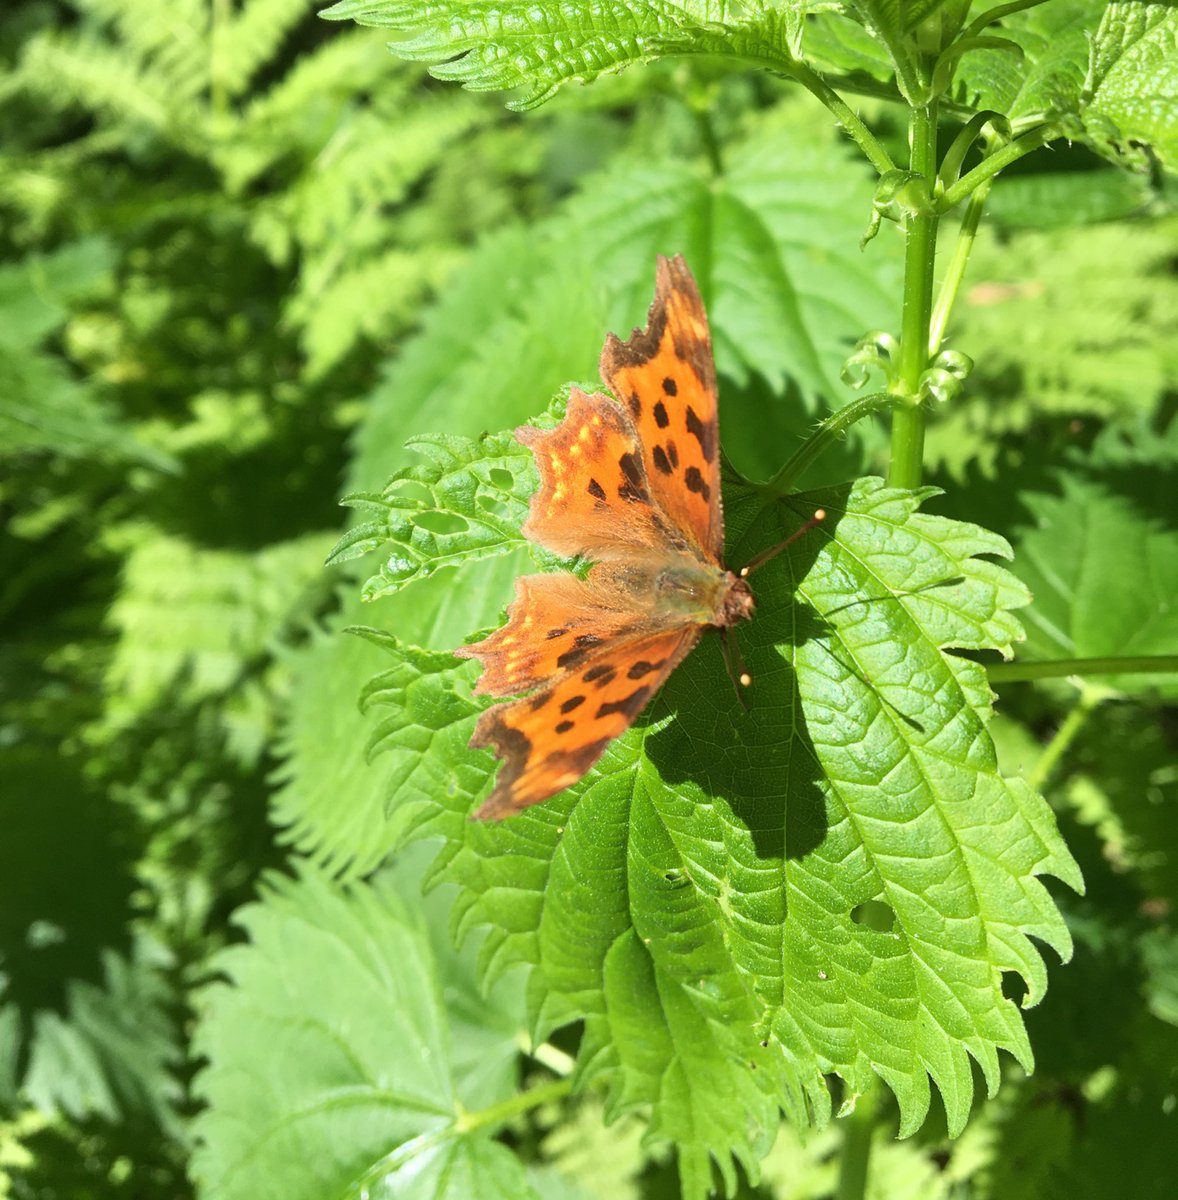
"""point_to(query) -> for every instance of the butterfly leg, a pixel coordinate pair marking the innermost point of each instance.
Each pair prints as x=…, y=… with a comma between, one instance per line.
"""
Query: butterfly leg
x=734, y=661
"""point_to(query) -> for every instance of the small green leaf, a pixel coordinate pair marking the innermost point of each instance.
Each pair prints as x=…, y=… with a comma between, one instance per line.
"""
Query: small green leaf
x=466, y=502
x=1132, y=87
x=351, y=1089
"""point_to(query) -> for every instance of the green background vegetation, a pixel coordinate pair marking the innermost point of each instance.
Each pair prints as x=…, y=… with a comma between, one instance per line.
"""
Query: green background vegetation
x=245, y=255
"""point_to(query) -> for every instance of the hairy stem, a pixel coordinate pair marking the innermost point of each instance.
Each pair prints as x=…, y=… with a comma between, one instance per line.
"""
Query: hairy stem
x=993, y=163
x=919, y=259
x=846, y=116
x=829, y=431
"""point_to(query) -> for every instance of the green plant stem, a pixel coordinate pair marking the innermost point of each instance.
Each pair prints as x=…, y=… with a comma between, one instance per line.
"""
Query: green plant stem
x=831, y=428
x=951, y=284
x=844, y=114
x=847, y=118
x=855, y=1158
x=1069, y=728
x=919, y=260
x=1061, y=668
x=508, y=1110
x=993, y=163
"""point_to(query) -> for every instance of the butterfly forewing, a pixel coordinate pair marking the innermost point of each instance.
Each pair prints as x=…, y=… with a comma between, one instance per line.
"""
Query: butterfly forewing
x=665, y=379
x=549, y=740
x=594, y=497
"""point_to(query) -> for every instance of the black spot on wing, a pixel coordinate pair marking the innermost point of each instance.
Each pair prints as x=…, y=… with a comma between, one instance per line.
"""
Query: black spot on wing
x=596, y=490
x=660, y=415
x=571, y=703
x=642, y=668
x=635, y=405
x=576, y=653
x=539, y=701
x=633, y=487
x=601, y=674
x=661, y=460
x=672, y=453
x=670, y=386
x=629, y=706
x=695, y=483
x=555, y=633
x=564, y=726
x=704, y=434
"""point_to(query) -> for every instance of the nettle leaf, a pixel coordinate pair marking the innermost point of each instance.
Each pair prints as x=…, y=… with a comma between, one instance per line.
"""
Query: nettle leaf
x=1048, y=78
x=353, y=1088
x=1132, y=84
x=536, y=47
x=1101, y=558
x=466, y=502
x=735, y=903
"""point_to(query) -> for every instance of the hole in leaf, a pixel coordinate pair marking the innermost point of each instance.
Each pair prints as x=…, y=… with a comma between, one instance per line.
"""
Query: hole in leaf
x=492, y=504
x=441, y=522
x=875, y=914
x=410, y=489
x=501, y=478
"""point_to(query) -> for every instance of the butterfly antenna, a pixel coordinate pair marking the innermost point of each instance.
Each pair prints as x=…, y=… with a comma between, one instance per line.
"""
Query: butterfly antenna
x=761, y=559
x=734, y=661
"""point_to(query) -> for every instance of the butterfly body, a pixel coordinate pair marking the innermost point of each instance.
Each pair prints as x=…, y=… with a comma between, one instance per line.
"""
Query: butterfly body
x=631, y=483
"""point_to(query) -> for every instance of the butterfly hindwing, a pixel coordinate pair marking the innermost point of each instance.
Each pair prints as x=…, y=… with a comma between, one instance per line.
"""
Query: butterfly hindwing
x=554, y=623
x=665, y=378
x=547, y=741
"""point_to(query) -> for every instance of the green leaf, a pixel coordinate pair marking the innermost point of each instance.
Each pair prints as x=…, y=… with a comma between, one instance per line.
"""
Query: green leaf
x=697, y=899
x=351, y=1087
x=192, y=619
x=465, y=503
x=1101, y=558
x=111, y=1052
x=1049, y=77
x=1131, y=91
x=492, y=46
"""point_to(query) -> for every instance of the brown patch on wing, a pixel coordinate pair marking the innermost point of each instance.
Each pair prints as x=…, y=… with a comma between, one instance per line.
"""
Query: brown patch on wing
x=548, y=741
x=594, y=492
x=665, y=376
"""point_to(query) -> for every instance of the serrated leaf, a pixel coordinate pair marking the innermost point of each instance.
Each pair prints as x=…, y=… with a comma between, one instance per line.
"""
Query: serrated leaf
x=1049, y=76
x=491, y=45
x=1132, y=83
x=351, y=1089
x=694, y=900
x=464, y=503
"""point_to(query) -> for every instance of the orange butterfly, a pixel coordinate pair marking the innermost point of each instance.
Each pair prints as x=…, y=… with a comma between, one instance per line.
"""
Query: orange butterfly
x=633, y=484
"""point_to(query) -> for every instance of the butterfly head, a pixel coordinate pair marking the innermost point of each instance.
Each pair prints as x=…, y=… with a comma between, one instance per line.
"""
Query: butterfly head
x=736, y=603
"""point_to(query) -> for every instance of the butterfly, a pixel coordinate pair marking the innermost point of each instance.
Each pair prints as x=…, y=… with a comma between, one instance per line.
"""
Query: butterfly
x=631, y=483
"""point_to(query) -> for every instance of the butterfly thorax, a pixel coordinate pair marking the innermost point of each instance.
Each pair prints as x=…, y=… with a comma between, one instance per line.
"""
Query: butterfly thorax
x=700, y=592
